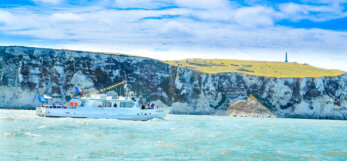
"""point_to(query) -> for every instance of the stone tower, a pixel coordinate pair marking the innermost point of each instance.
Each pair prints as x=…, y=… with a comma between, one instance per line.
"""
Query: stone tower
x=286, y=58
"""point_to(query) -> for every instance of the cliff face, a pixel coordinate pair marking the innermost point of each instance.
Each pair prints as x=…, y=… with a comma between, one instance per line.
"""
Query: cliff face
x=28, y=72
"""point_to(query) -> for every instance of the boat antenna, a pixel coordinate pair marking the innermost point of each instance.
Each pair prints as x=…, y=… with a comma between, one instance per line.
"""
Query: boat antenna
x=126, y=90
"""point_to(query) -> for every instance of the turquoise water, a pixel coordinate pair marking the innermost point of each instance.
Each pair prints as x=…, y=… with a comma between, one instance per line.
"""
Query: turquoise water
x=24, y=136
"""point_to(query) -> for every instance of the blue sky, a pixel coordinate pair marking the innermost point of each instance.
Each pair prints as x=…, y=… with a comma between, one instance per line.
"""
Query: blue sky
x=313, y=32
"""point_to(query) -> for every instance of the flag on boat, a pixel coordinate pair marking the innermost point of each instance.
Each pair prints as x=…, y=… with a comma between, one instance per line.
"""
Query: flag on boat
x=43, y=99
x=79, y=91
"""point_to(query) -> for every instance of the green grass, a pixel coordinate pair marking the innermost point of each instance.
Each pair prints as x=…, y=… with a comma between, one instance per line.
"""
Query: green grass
x=257, y=68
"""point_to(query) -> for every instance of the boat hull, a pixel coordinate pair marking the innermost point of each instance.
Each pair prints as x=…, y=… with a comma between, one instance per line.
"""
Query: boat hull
x=104, y=112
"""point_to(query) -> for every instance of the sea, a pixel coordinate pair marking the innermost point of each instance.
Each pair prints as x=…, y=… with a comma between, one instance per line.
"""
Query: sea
x=25, y=136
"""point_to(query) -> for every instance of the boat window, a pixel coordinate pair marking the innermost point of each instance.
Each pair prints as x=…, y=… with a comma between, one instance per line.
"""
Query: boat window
x=107, y=104
x=97, y=104
x=126, y=104
x=83, y=102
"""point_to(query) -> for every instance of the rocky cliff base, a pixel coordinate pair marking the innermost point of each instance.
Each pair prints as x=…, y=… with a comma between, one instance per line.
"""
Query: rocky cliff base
x=249, y=108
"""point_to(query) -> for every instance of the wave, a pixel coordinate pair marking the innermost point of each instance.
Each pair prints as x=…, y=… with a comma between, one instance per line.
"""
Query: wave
x=7, y=134
x=31, y=134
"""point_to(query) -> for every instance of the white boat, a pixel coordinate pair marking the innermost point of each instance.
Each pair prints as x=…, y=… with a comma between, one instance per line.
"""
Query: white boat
x=103, y=106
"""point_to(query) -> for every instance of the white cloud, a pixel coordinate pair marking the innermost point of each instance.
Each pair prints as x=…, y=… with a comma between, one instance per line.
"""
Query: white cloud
x=148, y=4
x=210, y=10
x=297, y=12
x=5, y=17
x=255, y=16
x=174, y=29
x=48, y=1
x=203, y=4
x=66, y=17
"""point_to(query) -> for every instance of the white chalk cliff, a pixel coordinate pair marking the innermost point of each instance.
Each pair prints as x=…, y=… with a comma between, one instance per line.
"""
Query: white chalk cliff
x=27, y=72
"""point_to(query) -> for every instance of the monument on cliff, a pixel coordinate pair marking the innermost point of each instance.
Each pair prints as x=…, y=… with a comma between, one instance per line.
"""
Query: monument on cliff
x=286, y=58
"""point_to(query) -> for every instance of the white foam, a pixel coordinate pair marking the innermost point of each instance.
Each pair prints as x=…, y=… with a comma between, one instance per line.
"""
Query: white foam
x=7, y=134
x=31, y=134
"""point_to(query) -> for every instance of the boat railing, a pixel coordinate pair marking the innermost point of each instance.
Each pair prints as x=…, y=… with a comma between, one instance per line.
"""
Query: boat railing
x=150, y=107
x=57, y=106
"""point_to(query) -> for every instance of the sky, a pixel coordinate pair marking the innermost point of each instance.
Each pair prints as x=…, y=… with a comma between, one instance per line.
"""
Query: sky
x=313, y=32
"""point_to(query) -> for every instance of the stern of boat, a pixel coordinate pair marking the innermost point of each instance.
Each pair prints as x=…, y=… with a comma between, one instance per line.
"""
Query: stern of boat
x=40, y=111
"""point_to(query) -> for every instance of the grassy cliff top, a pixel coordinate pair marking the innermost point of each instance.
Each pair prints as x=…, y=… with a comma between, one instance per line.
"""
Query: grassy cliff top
x=257, y=68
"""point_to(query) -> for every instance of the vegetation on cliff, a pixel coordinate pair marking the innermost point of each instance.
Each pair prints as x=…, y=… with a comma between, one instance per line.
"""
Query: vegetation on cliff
x=256, y=68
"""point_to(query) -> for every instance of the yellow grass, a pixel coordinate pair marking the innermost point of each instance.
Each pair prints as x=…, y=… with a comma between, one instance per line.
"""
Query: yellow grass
x=257, y=68
x=252, y=97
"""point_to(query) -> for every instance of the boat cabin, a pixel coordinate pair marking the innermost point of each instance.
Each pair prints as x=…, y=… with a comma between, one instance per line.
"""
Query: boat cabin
x=104, y=101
